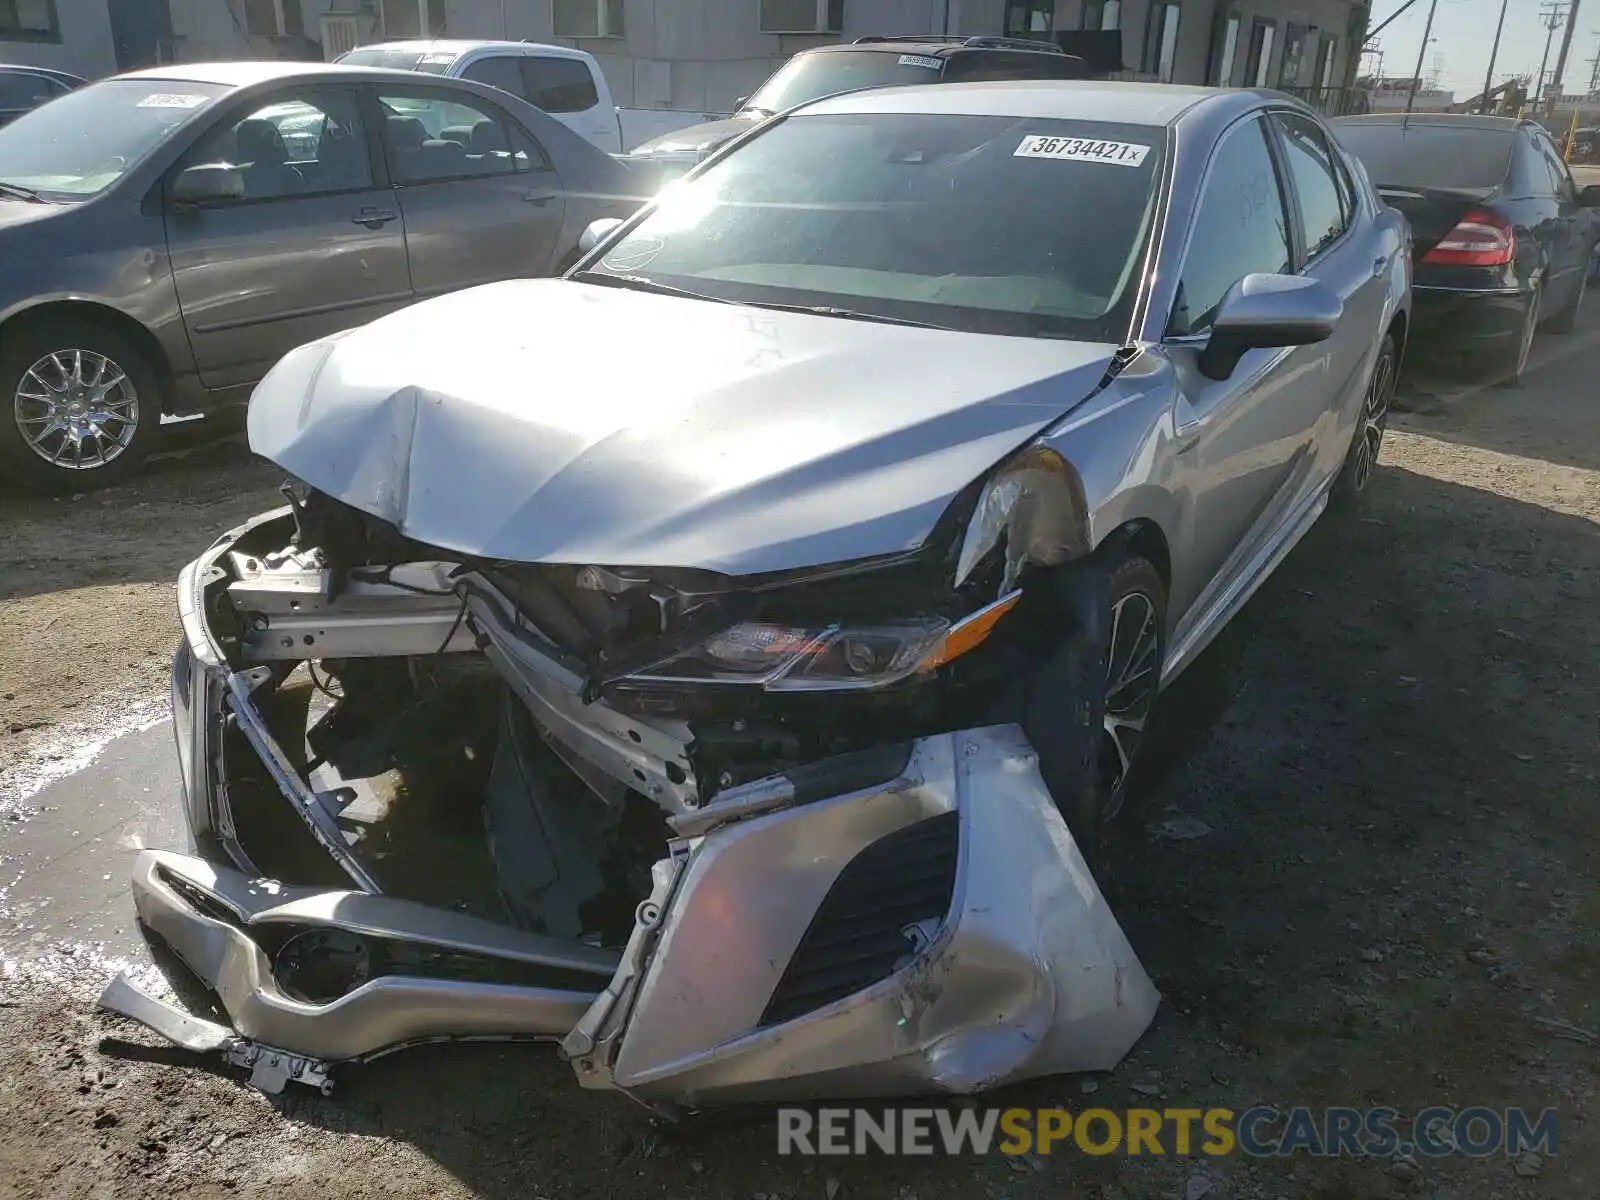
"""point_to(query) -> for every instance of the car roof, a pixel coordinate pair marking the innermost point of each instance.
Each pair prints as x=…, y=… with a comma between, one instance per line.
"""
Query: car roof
x=936, y=47
x=461, y=47
x=1064, y=99
x=1455, y=120
x=47, y=72
x=251, y=72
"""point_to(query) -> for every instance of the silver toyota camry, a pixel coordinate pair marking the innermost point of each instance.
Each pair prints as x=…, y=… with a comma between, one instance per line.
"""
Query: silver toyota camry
x=727, y=661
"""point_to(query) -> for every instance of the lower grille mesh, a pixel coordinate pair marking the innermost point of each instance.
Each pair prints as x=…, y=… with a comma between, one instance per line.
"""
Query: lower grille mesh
x=855, y=939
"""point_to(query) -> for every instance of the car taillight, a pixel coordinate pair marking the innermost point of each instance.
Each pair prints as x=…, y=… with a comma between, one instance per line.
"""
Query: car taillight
x=1480, y=239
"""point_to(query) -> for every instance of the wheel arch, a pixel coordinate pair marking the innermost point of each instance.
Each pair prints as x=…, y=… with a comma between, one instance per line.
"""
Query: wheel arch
x=99, y=314
x=1140, y=537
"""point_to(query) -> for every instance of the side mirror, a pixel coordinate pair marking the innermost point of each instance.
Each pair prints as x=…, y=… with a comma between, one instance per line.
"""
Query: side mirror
x=740, y=103
x=1268, y=312
x=597, y=232
x=1590, y=196
x=209, y=183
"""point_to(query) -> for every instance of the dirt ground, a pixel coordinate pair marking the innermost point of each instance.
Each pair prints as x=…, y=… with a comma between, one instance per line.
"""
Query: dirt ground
x=1392, y=900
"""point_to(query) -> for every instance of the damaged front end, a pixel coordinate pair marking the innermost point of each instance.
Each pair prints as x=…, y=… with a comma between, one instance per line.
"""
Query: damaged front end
x=721, y=838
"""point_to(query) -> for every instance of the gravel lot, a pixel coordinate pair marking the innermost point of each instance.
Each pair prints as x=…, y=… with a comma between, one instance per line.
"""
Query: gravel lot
x=1393, y=901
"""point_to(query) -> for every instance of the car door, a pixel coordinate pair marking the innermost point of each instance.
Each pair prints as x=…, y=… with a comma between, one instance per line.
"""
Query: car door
x=1569, y=235
x=565, y=88
x=315, y=245
x=1242, y=442
x=1338, y=247
x=480, y=198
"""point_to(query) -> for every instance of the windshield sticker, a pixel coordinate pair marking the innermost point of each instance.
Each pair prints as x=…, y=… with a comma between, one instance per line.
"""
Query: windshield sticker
x=921, y=60
x=171, y=100
x=1071, y=149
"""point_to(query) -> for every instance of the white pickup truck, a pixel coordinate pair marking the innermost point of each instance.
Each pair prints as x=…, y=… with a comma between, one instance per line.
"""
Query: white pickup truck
x=566, y=83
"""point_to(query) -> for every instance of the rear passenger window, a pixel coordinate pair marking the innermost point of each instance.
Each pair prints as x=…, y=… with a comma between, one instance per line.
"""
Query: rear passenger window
x=1311, y=166
x=1241, y=228
x=558, y=85
x=500, y=72
x=429, y=137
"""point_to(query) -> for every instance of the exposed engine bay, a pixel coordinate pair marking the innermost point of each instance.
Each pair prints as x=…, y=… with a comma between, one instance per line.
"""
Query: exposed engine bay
x=723, y=838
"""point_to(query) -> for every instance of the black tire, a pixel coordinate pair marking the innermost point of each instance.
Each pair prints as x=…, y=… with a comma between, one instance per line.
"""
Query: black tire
x=1362, y=457
x=1566, y=320
x=1099, y=811
x=57, y=361
x=1505, y=366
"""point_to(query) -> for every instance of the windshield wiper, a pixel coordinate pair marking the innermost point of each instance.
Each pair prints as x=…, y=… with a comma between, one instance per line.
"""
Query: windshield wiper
x=639, y=283
x=19, y=192
x=847, y=314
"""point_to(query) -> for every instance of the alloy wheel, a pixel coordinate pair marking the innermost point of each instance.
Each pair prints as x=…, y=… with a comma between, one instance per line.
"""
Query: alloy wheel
x=1374, y=420
x=1132, y=678
x=76, y=409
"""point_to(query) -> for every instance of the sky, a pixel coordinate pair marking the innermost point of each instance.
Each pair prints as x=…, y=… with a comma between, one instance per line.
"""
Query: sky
x=1464, y=30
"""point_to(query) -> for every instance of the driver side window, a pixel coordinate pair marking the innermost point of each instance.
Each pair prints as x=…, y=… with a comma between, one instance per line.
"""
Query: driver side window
x=299, y=144
x=1241, y=228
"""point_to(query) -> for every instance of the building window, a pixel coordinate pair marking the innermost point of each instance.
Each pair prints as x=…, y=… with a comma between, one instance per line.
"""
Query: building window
x=1031, y=19
x=1325, y=57
x=799, y=16
x=1227, y=52
x=1101, y=14
x=272, y=18
x=1161, y=39
x=1294, y=56
x=1258, y=64
x=29, y=21
x=412, y=18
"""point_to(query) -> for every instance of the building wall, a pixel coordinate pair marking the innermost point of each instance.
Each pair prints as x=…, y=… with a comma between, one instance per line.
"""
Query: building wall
x=704, y=54
x=84, y=47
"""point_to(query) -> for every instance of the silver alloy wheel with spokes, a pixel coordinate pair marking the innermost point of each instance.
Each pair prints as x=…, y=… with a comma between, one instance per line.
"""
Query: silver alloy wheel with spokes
x=1374, y=420
x=76, y=409
x=1132, y=679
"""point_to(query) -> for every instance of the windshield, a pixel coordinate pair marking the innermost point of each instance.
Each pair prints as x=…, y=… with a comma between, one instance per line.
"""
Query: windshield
x=393, y=59
x=988, y=224
x=808, y=77
x=1421, y=155
x=81, y=143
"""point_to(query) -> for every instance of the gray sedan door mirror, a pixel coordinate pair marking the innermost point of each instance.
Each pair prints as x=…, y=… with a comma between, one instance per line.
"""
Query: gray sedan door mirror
x=1268, y=312
x=209, y=183
x=597, y=232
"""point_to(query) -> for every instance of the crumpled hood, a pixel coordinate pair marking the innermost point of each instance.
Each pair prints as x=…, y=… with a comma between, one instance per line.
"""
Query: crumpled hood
x=551, y=421
x=697, y=139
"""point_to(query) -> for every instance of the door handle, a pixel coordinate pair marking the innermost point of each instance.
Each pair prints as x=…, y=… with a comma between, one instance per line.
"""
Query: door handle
x=374, y=218
x=1380, y=264
x=539, y=198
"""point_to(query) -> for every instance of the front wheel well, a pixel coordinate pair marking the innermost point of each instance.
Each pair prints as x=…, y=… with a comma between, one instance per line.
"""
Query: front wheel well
x=1140, y=538
x=102, y=315
x=1397, y=330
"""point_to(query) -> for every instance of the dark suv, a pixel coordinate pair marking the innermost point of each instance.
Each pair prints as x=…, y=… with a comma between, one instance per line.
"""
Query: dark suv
x=864, y=63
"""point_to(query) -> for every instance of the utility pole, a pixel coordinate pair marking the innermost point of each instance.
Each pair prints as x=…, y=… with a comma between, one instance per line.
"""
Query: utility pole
x=1427, y=36
x=1550, y=14
x=1594, y=72
x=1494, y=53
x=1561, y=59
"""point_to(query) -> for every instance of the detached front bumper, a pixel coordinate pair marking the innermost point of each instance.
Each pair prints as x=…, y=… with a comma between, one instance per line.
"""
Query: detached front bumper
x=915, y=918
x=938, y=932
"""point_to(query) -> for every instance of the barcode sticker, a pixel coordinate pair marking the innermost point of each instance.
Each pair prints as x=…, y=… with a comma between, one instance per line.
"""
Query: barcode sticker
x=1074, y=149
x=171, y=100
x=921, y=60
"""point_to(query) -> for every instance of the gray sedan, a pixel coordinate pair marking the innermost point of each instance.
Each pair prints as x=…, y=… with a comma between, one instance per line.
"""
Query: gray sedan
x=799, y=655
x=169, y=234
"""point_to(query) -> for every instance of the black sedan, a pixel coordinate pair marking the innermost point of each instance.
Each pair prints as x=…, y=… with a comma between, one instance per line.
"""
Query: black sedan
x=24, y=88
x=1503, y=237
